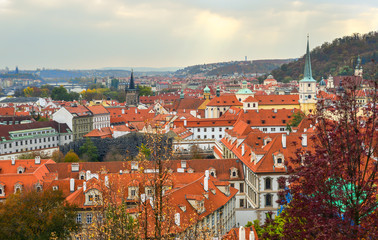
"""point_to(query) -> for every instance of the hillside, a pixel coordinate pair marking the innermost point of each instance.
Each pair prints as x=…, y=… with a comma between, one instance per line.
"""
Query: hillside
x=229, y=68
x=336, y=58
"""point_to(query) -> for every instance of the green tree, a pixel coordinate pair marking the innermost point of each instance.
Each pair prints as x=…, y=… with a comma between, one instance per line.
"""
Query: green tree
x=37, y=215
x=60, y=93
x=71, y=156
x=145, y=91
x=88, y=151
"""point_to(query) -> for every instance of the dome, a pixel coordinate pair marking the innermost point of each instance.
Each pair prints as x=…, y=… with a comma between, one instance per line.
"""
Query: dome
x=206, y=89
x=270, y=77
x=322, y=83
x=244, y=82
x=244, y=91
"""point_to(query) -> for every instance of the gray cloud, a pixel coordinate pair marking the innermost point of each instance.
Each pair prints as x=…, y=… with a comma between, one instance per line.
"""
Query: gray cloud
x=100, y=33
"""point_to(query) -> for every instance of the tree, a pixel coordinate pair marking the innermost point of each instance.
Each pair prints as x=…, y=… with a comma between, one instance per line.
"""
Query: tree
x=297, y=117
x=334, y=187
x=145, y=91
x=37, y=215
x=57, y=156
x=71, y=156
x=114, y=83
x=88, y=151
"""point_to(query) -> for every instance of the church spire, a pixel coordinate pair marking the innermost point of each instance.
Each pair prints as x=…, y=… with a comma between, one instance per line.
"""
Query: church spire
x=307, y=76
x=132, y=84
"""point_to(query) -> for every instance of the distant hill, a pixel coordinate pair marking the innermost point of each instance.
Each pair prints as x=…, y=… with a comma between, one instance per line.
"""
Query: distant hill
x=229, y=68
x=337, y=58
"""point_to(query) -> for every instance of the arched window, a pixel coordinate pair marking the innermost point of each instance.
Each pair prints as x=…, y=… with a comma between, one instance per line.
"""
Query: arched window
x=20, y=170
x=279, y=160
x=268, y=200
x=268, y=183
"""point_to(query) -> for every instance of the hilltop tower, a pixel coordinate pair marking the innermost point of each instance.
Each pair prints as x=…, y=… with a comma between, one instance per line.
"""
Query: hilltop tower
x=358, y=70
x=307, y=86
x=132, y=93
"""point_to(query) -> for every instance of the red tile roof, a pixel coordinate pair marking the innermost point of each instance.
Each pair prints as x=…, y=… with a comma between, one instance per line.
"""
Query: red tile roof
x=225, y=100
x=98, y=109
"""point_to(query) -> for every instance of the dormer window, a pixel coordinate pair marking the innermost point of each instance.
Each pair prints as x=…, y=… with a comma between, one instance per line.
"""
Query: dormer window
x=279, y=160
x=92, y=197
x=82, y=175
x=55, y=188
x=234, y=172
x=17, y=188
x=213, y=172
x=133, y=192
x=20, y=170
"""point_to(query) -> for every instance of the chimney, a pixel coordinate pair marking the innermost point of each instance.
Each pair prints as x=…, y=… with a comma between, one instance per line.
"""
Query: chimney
x=84, y=186
x=185, y=122
x=275, y=110
x=304, y=129
x=241, y=233
x=136, y=110
x=251, y=234
x=206, y=183
x=304, y=140
x=123, y=111
x=106, y=181
x=177, y=219
x=13, y=160
x=284, y=140
x=37, y=160
x=88, y=175
x=183, y=164
x=72, y=185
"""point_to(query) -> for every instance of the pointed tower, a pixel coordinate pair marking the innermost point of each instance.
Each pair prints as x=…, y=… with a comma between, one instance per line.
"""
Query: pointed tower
x=182, y=95
x=307, y=86
x=132, y=93
x=218, y=91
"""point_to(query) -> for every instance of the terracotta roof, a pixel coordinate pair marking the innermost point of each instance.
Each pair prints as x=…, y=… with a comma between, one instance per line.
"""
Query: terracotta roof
x=225, y=100
x=186, y=103
x=277, y=99
x=267, y=117
x=79, y=110
x=7, y=111
x=98, y=109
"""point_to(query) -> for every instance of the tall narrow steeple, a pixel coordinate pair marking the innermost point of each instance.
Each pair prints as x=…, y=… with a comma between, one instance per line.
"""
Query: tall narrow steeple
x=132, y=84
x=307, y=75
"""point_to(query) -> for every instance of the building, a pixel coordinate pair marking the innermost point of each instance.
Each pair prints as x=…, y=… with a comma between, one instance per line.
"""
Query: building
x=101, y=116
x=219, y=105
x=37, y=136
x=78, y=118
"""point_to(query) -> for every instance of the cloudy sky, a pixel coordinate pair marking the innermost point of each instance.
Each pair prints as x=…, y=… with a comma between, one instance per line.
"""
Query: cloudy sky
x=87, y=34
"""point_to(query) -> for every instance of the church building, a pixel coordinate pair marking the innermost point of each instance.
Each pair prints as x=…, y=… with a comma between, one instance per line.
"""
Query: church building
x=132, y=93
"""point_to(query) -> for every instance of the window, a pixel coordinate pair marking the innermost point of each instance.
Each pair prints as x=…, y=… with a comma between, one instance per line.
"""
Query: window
x=279, y=160
x=282, y=129
x=309, y=85
x=220, y=129
x=205, y=129
x=199, y=130
x=273, y=129
x=232, y=184
x=212, y=136
x=89, y=218
x=90, y=198
x=268, y=200
x=241, y=203
x=220, y=136
x=212, y=129
x=133, y=192
x=16, y=143
x=78, y=218
x=97, y=198
x=265, y=129
x=241, y=186
x=268, y=183
x=309, y=96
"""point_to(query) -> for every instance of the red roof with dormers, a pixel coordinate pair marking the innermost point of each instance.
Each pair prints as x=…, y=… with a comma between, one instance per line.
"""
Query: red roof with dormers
x=225, y=100
x=32, y=174
x=267, y=117
x=277, y=99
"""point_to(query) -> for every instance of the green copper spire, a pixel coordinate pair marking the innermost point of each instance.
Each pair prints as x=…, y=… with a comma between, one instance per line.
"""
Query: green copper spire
x=182, y=94
x=307, y=69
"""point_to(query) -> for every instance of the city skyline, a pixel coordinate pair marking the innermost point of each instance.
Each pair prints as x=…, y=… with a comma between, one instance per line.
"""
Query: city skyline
x=86, y=34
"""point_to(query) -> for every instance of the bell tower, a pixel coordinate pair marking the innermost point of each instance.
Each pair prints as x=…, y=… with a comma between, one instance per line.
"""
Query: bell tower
x=307, y=86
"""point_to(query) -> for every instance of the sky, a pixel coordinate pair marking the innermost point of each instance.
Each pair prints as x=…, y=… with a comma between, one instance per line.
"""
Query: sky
x=92, y=34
